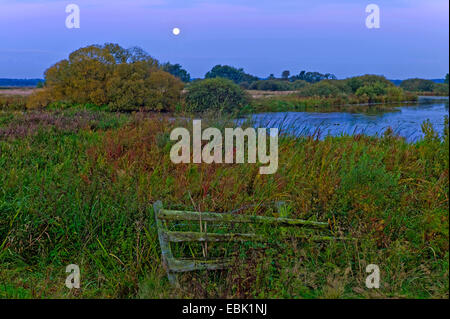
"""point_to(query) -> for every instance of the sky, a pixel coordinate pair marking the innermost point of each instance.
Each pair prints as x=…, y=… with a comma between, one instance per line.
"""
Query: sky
x=261, y=36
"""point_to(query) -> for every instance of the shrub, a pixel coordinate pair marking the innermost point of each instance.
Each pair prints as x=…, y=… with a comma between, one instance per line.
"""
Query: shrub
x=372, y=91
x=395, y=94
x=123, y=79
x=39, y=99
x=12, y=102
x=129, y=90
x=441, y=89
x=323, y=88
x=244, y=85
x=271, y=85
x=299, y=84
x=215, y=94
x=356, y=82
x=277, y=85
x=417, y=85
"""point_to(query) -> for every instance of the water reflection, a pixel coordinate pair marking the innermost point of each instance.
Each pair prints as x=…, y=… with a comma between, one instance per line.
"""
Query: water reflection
x=404, y=120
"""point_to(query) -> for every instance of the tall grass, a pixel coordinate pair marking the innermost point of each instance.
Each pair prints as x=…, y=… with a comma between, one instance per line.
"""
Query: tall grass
x=83, y=196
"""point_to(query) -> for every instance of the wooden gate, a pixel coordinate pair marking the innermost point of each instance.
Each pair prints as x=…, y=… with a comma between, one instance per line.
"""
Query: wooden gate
x=175, y=265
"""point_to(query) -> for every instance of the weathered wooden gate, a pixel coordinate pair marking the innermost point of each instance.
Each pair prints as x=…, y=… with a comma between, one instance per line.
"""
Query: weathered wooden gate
x=177, y=265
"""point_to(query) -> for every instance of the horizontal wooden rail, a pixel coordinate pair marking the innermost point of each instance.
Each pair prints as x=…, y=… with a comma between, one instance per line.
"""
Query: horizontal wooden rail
x=184, y=265
x=232, y=218
x=177, y=237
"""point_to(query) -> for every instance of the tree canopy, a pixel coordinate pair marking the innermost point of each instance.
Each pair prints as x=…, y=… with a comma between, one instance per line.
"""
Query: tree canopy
x=123, y=79
x=178, y=71
x=217, y=94
x=417, y=85
x=228, y=72
x=312, y=77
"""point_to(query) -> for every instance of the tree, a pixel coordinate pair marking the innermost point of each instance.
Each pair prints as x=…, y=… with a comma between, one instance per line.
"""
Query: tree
x=417, y=85
x=299, y=84
x=313, y=77
x=123, y=79
x=372, y=90
x=285, y=75
x=231, y=73
x=354, y=83
x=217, y=94
x=441, y=89
x=270, y=85
x=446, y=79
x=178, y=71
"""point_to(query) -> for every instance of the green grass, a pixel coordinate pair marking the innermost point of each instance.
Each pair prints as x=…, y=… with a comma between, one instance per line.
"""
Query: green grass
x=77, y=188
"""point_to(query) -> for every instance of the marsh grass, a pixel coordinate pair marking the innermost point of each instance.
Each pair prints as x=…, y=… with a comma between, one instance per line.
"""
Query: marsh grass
x=83, y=194
x=295, y=103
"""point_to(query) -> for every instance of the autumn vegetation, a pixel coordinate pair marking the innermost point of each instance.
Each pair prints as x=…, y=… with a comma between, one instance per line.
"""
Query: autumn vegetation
x=121, y=79
x=113, y=78
x=77, y=186
x=83, y=159
x=427, y=87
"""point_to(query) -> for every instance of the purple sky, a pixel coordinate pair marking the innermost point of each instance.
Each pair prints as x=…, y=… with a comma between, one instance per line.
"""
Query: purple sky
x=262, y=36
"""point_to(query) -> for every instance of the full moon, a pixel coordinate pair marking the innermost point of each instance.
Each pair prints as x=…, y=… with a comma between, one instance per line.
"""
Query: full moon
x=176, y=31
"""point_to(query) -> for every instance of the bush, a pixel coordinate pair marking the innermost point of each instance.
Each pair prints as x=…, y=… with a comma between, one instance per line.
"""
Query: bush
x=244, y=85
x=215, y=94
x=323, y=88
x=123, y=79
x=372, y=91
x=395, y=94
x=157, y=91
x=417, y=85
x=441, y=89
x=277, y=85
x=357, y=82
x=299, y=84
x=39, y=99
x=271, y=85
x=12, y=102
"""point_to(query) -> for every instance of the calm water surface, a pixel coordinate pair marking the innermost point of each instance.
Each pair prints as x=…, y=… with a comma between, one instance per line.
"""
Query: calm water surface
x=404, y=120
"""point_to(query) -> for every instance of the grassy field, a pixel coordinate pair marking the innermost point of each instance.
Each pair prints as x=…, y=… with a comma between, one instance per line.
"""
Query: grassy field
x=76, y=187
x=22, y=91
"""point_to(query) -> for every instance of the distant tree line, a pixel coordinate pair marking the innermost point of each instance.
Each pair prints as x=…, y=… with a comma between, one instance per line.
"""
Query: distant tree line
x=367, y=87
x=426, y=86
x=20, y=82
x=312, y=77
x=130, y=79
x=285, y=83
x=238, y=76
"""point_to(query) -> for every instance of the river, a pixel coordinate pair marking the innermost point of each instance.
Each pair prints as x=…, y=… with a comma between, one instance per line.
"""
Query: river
x=405, y=120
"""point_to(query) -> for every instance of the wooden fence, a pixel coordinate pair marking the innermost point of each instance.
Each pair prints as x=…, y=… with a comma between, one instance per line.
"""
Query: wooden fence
x=174, y=265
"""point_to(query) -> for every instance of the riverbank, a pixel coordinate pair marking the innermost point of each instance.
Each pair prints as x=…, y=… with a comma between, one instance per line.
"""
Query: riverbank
x=295, y=103
x=258, y=102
